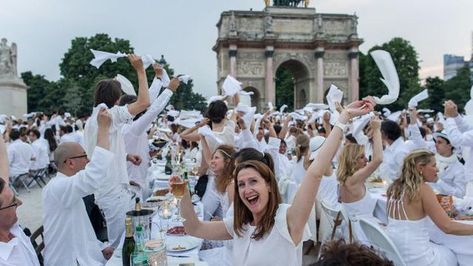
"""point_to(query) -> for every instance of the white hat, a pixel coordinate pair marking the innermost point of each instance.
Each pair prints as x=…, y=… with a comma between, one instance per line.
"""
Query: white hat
x=442, y=135
x=315, y=144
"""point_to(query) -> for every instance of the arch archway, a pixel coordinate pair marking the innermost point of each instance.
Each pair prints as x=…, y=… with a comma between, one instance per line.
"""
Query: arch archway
x=292, y=84
x=255, y=98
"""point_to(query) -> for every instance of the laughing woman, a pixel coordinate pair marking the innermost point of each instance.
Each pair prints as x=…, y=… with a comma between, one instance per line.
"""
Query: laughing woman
x=260, y=221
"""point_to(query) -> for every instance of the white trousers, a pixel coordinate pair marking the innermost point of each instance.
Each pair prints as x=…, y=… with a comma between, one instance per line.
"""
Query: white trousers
x=115, y=206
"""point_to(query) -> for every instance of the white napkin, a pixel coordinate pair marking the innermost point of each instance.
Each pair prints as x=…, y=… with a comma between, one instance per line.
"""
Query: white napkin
x=357, y=128
x=242, y=92
x=386, y=112
x=190, y=114
x=188, y=123
x=173, y=113
x=298, y=116
x=184, y=78
x=215, y=98
x=414, y=101
x=100, y=57
x=334, y=95
x=126, y=85
x=390, y=78
x=2, y=129
x=394, y=116
x=281, y=110
x=469, y=104
x=318, y=106
x=147, y=60
x=207, y=132
x=231, y=86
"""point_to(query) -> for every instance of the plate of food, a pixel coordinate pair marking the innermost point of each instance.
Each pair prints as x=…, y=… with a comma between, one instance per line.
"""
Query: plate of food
x=176, y=231
x=180, y=244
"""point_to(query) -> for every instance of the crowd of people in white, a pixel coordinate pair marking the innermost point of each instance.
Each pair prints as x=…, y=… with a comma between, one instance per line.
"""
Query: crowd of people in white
x=264, y=176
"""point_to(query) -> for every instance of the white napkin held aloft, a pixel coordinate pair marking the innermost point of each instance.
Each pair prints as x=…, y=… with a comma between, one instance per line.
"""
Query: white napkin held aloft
x=231, y=86
x=100, y=57
x=414, y=101
x=390, y=78
x=126, y=85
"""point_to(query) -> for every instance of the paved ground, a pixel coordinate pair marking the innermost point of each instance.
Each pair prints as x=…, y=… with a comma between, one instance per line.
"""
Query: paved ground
x=30, y=214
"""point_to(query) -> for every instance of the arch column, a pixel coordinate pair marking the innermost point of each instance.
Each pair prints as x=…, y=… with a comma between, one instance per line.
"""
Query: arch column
x=232, y=53
x=269, y=90
x=354, y=74
x=319, y=75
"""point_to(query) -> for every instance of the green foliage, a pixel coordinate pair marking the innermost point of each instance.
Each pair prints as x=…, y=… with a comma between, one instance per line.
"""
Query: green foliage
x=434, y=86
x=74, y=92
x=284, y=89
x=458, y=87
x=405, y=59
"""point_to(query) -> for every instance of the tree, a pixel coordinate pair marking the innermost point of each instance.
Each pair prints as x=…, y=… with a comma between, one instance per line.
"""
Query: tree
x=458, y=87
x=38, y=87
x=434, y=86
x=284, y=88
x=184, y=98
x=405, y=59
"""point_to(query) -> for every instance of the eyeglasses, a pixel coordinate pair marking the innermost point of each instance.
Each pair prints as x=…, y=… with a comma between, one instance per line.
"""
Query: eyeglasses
x=14, y=204
x=76, y=157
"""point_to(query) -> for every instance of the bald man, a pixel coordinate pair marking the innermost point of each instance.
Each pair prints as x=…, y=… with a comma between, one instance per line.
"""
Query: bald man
x=68, y=234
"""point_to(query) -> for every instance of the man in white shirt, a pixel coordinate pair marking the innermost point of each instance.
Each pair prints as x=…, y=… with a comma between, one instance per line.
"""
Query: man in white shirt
x=15, y=246
x=20, y=155
x=40, y=149
x=395, y=150
x=68, y=234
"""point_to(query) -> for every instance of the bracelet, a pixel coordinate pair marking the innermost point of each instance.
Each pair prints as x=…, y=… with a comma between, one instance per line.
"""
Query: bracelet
x=342, y=126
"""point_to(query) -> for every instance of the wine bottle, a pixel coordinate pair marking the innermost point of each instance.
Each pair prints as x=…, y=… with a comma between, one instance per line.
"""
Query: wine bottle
x=137, y=205
x=168, y=166
x=129, y=243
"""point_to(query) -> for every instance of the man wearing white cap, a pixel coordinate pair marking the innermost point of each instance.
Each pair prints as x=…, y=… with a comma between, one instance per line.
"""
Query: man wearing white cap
x=451, y=173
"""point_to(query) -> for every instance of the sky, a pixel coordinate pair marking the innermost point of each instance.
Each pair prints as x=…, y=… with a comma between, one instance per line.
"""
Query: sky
x=185, y=30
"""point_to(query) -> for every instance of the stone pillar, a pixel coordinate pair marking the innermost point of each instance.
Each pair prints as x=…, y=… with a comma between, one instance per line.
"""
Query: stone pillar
x=319, y=75
x=233, y=63
x=269, y=90
x=354, y=74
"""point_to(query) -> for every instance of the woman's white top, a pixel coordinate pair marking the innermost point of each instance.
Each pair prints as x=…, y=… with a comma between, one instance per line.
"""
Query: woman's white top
x=275, y=248
x=226, y=136
x=212, y=200
x=298, y=172
x=363, y=207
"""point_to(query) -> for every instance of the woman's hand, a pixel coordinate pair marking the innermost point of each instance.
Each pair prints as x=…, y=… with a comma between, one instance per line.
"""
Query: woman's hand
x=203, y=123
x=136, y=62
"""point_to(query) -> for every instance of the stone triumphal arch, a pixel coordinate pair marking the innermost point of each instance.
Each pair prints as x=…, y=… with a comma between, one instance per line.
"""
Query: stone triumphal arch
x=319, y=49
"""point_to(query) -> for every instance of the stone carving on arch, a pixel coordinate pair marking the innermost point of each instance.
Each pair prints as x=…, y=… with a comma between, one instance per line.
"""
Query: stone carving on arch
x=304, y=58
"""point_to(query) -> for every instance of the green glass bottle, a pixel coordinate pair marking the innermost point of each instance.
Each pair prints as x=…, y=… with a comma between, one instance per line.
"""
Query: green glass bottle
x=129, y=244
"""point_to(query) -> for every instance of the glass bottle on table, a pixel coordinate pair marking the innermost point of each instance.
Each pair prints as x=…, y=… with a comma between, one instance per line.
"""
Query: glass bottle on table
x=168, y=166
x=139, y=257
x=129, y=243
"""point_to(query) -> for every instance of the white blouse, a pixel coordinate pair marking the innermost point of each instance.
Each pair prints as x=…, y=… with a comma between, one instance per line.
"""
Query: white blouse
x=278, y=242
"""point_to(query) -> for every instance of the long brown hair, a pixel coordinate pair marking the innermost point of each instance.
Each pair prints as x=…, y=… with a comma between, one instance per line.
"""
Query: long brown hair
x=302, y=146
x=242, y=215
x=347, y=161
x=226, y=177
x=411, y=179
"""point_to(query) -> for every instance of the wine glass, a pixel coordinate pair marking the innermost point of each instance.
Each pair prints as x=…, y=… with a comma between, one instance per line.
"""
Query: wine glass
x=178, y=190
x=165, y=213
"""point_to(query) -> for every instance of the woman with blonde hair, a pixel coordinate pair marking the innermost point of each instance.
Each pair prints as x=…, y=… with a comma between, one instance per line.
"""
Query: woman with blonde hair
x=354, y=169
x=411, y=204
x=302, y=158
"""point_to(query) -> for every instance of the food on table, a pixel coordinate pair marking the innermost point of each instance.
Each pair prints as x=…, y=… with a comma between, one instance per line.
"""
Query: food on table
x=177, y=230
x=179, y=247
x=161, y=192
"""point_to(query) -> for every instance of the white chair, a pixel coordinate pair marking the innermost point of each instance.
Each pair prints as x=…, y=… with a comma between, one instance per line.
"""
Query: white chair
x=381, y=241
x=329, y=215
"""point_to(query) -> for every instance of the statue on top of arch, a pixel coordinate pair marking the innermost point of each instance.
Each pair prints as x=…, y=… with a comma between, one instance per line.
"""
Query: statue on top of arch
x=290, y=3
x=7, y=58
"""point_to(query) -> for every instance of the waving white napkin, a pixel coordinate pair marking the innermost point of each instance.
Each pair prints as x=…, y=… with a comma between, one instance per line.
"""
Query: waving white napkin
x=318, y=106
x=215, y=98
x=126, y=85
x=100, y=57
x=242, y=92
x=184, y=78
x=394, y=116
x=281, y=110
x=357, y=128
x=414, y=101
x=231, y=86
x=386, y=112
x=334, y=95
x=390, y=78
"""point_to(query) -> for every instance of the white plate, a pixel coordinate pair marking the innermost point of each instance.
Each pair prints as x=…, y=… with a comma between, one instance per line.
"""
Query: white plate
x=163, y=177
x=185, y=243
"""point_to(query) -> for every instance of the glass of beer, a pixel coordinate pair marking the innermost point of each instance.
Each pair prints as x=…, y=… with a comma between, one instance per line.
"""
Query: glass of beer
x=178, y=190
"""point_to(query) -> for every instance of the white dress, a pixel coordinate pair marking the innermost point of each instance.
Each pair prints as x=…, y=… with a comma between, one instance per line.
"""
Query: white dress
x=275, y=248
x=412, y=239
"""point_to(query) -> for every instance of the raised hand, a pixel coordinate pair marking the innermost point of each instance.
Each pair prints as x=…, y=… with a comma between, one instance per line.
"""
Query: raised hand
x=203, y=122
x=158, y=70
x=174, y=84
x=104, y=119
x=450, y=109
x=136, y=62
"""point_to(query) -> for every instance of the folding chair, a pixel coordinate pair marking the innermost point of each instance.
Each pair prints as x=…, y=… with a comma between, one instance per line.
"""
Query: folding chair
x=19, y=178
x=381, y=240
x=37, y=174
